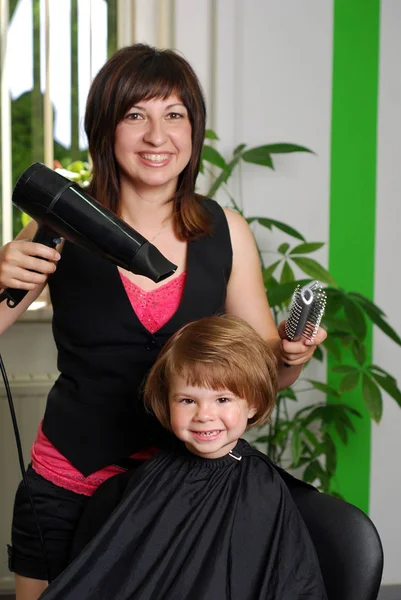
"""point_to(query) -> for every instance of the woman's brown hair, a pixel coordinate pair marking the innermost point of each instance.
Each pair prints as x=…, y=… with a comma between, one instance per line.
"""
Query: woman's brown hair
x=132, y=74
x=221, y=352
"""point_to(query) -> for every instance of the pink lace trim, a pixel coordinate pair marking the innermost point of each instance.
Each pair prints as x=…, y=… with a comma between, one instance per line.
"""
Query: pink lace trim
x=156, y=307
x=48, y=462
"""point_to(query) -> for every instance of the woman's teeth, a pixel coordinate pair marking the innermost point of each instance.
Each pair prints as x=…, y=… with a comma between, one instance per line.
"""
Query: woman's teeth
x=155, y=157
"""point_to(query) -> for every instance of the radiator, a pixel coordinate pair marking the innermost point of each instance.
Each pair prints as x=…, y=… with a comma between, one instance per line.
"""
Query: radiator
x=29, y=355
x=29, y=395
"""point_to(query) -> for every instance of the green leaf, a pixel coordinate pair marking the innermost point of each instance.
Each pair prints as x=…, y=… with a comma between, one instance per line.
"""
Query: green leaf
x=268, y=272
x=334, y=300
x=25, y=219
x=381, y=371
x=312, y=268
x=318, y=353
x=311, y=438
x=211, y=135
x=323, y=387
x=349, y=382
x=359, y=351
x=76, y=167
x=345, y=369
x=314, y=471
x=310, y=473
x=341, y=431
x=389, y=385
x=269, y=223
x=287, y=274
x=373, y=398
x=212, y=156
x=343, y=337
x=238, y=150
x=283, y=248
x=355, y=317
x=284, y=148
x=337, y=325
x=287, y=393
x=226, y=174
x=365, y=302
x=307, y=248
x=332, y=347
x=344, y=418
x=331, y=454
x=376, y=315
x=295, y=446
x=262, y=439
x=383, y=325
x=258, y=156
x=283, y=292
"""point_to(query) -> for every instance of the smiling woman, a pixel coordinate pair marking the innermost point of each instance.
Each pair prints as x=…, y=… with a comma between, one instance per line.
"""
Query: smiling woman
x=145, y=124
x=153, y=145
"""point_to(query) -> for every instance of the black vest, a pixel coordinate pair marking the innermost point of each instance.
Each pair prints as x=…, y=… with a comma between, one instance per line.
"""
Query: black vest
x=94, y=414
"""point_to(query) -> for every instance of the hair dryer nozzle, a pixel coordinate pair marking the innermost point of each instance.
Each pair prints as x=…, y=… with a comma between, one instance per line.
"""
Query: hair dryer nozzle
x=151, y=263
x=62, y=206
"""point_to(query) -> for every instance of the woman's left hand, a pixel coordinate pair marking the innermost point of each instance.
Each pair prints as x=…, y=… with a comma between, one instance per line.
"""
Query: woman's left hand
x=300, y=352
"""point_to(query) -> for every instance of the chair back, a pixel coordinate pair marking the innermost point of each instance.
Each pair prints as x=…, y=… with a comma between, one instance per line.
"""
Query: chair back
x=347, y=543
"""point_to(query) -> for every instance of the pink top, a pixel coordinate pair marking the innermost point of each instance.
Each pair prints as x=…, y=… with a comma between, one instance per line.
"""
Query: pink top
x=153, y=309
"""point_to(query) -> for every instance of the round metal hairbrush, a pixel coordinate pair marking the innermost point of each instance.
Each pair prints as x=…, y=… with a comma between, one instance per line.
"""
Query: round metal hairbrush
x=306, y=311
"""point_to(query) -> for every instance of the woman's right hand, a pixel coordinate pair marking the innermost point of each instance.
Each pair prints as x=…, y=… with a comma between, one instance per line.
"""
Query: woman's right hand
x=25, y=264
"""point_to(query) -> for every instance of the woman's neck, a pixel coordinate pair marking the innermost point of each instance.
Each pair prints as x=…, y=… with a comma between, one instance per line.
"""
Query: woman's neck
x=145, y=208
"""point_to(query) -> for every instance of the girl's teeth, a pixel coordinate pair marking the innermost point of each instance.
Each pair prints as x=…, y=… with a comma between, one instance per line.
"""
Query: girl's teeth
x=207, y=433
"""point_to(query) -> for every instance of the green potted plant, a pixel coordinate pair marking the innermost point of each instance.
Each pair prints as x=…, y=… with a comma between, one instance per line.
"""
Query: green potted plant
x=303, y=437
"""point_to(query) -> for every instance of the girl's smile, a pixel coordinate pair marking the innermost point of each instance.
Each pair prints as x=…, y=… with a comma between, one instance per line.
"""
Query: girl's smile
x=210, y=422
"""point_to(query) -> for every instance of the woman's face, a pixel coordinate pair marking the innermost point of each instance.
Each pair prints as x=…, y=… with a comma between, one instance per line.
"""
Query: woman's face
x=153, y=144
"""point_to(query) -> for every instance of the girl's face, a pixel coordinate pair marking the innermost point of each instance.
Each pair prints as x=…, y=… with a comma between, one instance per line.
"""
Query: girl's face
x=209, y=422
x=153, y=144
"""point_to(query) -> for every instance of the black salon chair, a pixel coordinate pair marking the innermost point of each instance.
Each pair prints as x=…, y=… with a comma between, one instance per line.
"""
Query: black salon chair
x=347, y=544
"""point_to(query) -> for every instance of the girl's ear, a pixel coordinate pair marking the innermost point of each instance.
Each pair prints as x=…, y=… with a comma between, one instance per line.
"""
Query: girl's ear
x=252, y=410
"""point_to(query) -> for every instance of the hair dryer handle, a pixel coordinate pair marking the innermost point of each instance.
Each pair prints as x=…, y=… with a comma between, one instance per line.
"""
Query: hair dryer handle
x=45, y=236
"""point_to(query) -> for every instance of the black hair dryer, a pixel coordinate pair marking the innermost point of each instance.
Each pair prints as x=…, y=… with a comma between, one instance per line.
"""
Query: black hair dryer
x=63, y=209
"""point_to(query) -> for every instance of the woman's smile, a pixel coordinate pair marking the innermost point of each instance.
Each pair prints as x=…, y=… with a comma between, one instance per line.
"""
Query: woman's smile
x=155, y=160
x=153, y=144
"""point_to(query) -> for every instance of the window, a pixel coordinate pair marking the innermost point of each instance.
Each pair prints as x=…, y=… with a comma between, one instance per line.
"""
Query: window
x=50, y=52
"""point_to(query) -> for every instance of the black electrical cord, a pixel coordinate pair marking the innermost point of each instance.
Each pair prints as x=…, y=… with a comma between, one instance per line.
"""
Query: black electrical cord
x=21, y=459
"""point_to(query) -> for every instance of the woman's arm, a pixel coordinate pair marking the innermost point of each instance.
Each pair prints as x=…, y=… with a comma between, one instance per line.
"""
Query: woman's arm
x=24, y=265
x=246, y=298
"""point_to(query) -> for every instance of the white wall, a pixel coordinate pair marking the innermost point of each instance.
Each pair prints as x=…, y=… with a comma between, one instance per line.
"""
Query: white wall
x=385, y=481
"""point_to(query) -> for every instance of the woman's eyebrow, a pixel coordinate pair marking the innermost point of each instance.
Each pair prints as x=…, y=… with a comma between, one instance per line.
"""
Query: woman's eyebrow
x=175, y=104
x=166, y=108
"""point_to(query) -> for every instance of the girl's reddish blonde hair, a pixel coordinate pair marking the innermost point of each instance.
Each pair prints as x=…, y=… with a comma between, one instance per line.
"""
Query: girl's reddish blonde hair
x=221, y=352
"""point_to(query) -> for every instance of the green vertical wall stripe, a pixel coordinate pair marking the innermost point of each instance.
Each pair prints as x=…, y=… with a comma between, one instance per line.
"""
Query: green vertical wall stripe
x=353, y=199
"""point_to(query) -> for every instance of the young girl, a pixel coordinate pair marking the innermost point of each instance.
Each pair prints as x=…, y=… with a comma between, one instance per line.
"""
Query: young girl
x=211, y=520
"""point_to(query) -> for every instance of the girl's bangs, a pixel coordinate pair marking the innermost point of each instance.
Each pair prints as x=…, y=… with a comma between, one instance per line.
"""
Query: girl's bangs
x=213, y=376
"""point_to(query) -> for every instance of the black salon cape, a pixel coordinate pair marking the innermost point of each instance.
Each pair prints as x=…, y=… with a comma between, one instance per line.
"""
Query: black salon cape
x=190, y=528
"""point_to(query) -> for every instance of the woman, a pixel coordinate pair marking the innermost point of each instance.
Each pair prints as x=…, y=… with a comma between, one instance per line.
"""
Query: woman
x=145, y=123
